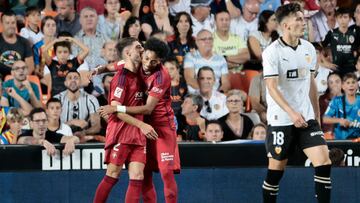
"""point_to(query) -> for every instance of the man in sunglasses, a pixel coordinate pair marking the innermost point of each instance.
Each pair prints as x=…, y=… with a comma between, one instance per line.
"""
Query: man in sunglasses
x=79, y=108
x=19, y=92
x=214, y=101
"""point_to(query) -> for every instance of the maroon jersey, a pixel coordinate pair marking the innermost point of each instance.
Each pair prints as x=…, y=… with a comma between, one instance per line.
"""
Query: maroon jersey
x=158, y=85
x=126, y=88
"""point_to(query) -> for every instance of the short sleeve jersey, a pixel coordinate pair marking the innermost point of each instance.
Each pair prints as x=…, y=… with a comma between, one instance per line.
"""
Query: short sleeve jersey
x=293, y=68
x=158, y=85
x=126, y=88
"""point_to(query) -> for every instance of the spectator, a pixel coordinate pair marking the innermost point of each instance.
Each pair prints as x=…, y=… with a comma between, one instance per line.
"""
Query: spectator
x=108, y=55
x=177, y=6
x=14, y=120
x=230, y=46
x=19, y=92
x=258, y=132
x=53, y=110
x=112, y=22
x=39, y=135
x=214, y=102
x=178, y=86
x=56, y=70
x=337, y=157
x=3, y=112
x=248, y=22
x=324, y=20
x=343, y=110
x=132, y=28
x=265, y=34
x=191, y=126
x=357, y=15
x=32, y=31
x=257, y=96
x=333, y=90
x=344, y=42
x=103, y=98
x=157, y=19
x=160, y=35
x=12, y=46
x=48, y=28
x=321, y=71
x=269, y=5
x=201, y=17
x=90, y=37
x=204, y=56
x=67, y=19
x=213, y=132
x=183, y=41
x=235, y=124
x=357, y=72
x=79, y=108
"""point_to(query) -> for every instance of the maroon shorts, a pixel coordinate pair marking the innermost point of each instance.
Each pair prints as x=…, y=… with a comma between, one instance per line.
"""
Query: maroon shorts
x=121, y=154
x=163, y=153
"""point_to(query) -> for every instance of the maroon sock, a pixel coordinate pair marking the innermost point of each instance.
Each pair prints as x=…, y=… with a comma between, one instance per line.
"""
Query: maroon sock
x=170, y=187
x=133, y=192
x=148, y=189
x=104, y=188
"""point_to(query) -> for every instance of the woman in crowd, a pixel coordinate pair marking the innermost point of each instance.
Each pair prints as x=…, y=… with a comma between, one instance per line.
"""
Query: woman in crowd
x=333, y=90
x=157, y=19
x=48, y=28
x=183, y=41
x=132, y=28
x=235, y=124
x=112, y=21
x=263, y=37
x=258, y=132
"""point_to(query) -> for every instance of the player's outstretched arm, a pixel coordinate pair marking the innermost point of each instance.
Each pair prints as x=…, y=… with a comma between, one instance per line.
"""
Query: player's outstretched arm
x=296, y=117
x=146, y=109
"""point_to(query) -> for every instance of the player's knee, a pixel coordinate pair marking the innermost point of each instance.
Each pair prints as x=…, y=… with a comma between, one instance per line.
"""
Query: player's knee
x=113, y=171
x=136, y=175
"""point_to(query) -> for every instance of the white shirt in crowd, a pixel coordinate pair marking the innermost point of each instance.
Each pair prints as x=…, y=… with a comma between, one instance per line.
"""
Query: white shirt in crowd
x=208, y=24
x=239, y=26
x=64, y=129
x=321, y=79
x=217, y=104
x=181, y=5
x=30, y=35
x=293, y=69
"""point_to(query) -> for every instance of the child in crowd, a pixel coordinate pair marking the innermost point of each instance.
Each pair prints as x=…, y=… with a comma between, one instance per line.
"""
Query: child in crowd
x=343, y=111
x=56, y=70
x=178, y=85
x=32, y=30
x=258, y=132
x=14, y=120
x=357, y=72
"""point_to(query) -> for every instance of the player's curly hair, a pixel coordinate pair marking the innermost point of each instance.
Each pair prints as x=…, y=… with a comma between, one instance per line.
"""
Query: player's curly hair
x=160, y=48
x=286, y=10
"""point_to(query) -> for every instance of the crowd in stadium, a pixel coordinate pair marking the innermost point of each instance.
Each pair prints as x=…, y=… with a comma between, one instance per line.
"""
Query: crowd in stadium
x=49, y=49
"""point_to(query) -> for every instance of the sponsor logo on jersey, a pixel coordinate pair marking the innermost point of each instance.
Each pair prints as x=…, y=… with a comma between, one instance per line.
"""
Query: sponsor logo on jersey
x=316, y=133
x=139, y=95
x=291, y=74
x=157, y=90
x=118, y=91
x=343, y=48
x=166, y=156
x=351, y=39
x=308, y=58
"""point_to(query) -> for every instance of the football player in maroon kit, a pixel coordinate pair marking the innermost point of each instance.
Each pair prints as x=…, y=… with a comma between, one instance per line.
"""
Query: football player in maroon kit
x=162, y=153
x=126, y=135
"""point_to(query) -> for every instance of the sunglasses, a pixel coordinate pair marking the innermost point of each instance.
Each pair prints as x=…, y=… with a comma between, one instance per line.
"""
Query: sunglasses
x=75, y=112
x=208, y=107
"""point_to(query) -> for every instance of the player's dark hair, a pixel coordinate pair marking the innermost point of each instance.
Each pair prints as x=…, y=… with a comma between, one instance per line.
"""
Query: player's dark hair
x=286, y=10
x=342, y=11
x=36, y=110
x=197, y=100
x=52, y=100
x=123, y=43
x=160, y=48
x=349, y=76
x=31, y=9
x=205, y=68
x=65, y=44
